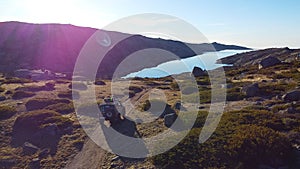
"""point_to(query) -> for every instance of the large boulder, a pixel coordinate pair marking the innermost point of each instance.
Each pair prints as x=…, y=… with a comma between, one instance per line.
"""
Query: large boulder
x=292, y=96
x=169, y=119
x=197, y=72
x=268, y=62
x=251, y=90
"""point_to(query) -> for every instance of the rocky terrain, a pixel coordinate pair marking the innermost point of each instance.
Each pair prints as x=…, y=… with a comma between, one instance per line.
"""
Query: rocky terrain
x=259, y=129
x=41, y=129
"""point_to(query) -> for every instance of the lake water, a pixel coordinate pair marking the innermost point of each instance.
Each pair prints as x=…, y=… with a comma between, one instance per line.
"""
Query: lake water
x=206, y=61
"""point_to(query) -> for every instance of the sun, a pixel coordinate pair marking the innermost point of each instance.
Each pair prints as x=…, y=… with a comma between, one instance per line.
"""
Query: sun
x=51, y=10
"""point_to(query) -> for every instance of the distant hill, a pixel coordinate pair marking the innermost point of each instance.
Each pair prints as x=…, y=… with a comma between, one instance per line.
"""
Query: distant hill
x=254, y=57
x=56, y=47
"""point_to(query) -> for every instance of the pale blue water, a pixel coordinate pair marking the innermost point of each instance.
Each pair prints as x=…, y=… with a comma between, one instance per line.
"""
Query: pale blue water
x=206, y=61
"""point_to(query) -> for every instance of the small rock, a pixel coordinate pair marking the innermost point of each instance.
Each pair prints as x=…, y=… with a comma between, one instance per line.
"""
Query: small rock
x=251, y=90
x=35, y=163
x=264, y=81
x=201, y=107
x=19, y=103
x=197, y=72
x=291, y=110
x=177, y=105
x=292, y=96
x=29, y=148
x=7, y=163
x=8, y=92
x=44, y=153
x=169, y=119
x=2, y=98
x=115, y=158
x=99, y=82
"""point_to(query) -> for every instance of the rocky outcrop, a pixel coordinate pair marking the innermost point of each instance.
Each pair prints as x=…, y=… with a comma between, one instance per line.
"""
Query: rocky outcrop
x=198, y=72
x=251, y=90
x=268, y=62
x=292, y=96
x=255, y=57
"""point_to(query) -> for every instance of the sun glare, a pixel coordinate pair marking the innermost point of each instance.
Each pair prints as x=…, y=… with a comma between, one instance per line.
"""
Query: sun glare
x=51, y=10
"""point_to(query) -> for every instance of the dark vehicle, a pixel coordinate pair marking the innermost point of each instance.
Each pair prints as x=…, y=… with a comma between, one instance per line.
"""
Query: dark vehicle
x=111, y=110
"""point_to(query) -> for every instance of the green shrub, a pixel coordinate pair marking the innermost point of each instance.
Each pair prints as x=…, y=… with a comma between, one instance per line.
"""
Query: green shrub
x=157, y=107
x=239, y=134
x=40, y=103
x=62, y=81
x=277, y=88
x=135, y=89
x=2, y=89
x=174, y=86
x=88, y=109
x=35, y=88
x=189, y=90
x=254, y=145
x=203, y=81
x=69, y=94
x=277, y=108
x=16, y=80
x=7, y=112
x=22, y=94
x=78, y=86
x=234, y=94
x=28, y=124
x=62, y=108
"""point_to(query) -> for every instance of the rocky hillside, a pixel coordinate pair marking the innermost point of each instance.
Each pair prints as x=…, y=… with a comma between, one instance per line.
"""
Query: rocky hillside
x=254, y=57
x=56, y=47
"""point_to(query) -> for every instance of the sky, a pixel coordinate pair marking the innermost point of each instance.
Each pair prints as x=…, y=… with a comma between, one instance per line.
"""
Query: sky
x=253, y=23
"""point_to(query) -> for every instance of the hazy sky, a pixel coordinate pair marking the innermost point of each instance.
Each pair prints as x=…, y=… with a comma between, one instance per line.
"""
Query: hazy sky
x=252, y=23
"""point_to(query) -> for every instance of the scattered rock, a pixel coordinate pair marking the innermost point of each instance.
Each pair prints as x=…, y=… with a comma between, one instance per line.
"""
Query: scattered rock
x=35, y=163
x=8, y=92
x=292, y=96
x=7, y=163
x=135, y=89
x=251, y=90
x=201, y=107
x=44, y=153
x=29, y=149
x=258, y=103
x=268, y=62
x=197, y=72
x=100, y=82
x=264, y=81
x=177, y=105
x=115, y=158
x=2, y=98
x=291, y=110
x=50, y=86
x=169, y=119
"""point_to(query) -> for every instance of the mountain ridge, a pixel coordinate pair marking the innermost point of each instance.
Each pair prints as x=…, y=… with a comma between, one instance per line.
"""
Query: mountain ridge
x=57, y=46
